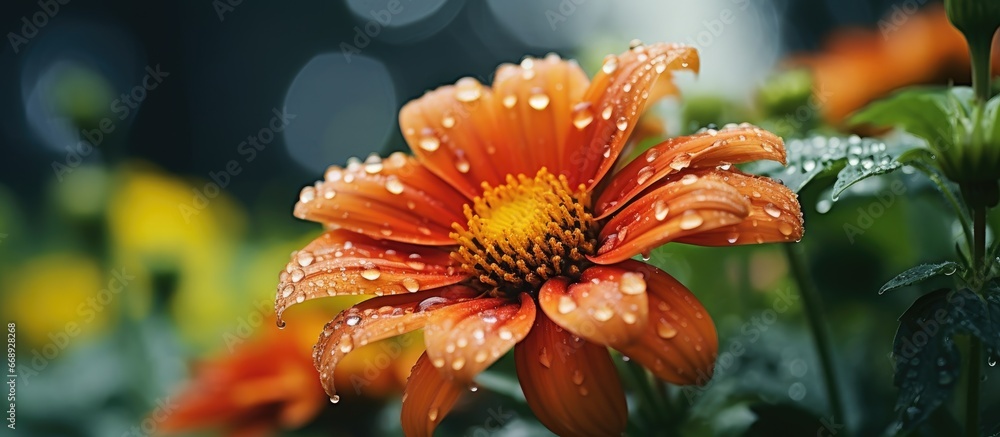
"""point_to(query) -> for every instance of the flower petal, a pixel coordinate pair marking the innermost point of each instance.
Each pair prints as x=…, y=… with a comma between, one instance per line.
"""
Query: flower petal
x=342, y=263
x=570, y=384
x=453, y=132
x=428, y=397
x=376, y=319
x=394, y=199
x=607, y=306
x=464, y=339
x=617, y=97
x=727, y=146
x=678, y=206
x=534, y=105
x=775, y=214
x=680, y=343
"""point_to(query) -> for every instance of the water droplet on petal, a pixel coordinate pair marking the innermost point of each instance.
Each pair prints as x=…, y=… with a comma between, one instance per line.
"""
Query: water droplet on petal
x=691, y=220
x=665, y=330
x=582, y=116
x=509, y=101
x=371, y=272
x=307, y=194
x=432, y=415
x=297, y=275
x=538, y=99
x=334, y=399
x=577, y=377
x=606, y=112
x=660, y=209
x=622, y=124
x=610, y=64
x=785, y=228
x=680, y=161
x=393, y=185
x=429, y=142
x=411, y=285
x=603, y=314
x=631, y=283
x=689, y=179
x=287, y=291
x=644, y=174
x=772, y=210
x=543, y=358
x=468, y=89
x=566, y=304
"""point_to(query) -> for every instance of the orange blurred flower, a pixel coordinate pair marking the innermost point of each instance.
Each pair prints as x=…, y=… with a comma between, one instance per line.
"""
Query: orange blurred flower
x=509, y=205
x=264, y=384
x=860, y=65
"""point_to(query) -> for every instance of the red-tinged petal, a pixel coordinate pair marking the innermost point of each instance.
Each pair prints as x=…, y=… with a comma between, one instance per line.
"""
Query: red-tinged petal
x=679, y=343
x=429, y=396
x=607, y=306
x=342, y=263
x=376, y=319
x=464, y=339
x=394, y=198
x=775, y=214
x=711, y=148
x=534, y=104
x=570, y=384
x=617, y=97
x=679, y=206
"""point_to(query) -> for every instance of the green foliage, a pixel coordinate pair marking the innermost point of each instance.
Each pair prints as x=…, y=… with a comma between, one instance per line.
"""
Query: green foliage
x=927, y=359
x=919, y=274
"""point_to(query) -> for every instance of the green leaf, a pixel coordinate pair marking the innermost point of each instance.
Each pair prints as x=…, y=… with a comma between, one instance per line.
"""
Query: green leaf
x=919, y=274
x=933, y=114
x=927, y=360
x=923, y=160
x=852, y=158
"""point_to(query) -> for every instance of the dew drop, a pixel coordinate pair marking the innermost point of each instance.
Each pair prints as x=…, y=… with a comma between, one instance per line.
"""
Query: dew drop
x=577, y=377
x=644, y=174
x=334, y=399
x=297, y=275
x=606, y=112
x=307, y=194
x=622, y=124
x=468, y=89
x=991, y=361
x=603, y=314
x=462, y=164
x=785, y=228
x=458, y=364
x=352, y=320
x=665, y=330
x=448, y=121
x=411, y=284
x=371, y=272
x=543, y=358
x=432, y=415
x=287, y=291
x=691, y=220
x=652, y=154
x=582, y=116
x=689, y=179
x=300, y=298
x=772, y=210
x=610, y=64
x=538, y=99
x=393, y=185
x=733, y=237
x=680, y=161
x=566, y=304
x=429, y=142
x=509, y=101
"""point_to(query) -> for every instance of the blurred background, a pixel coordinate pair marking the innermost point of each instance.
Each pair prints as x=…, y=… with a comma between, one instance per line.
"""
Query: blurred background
x=152, y=153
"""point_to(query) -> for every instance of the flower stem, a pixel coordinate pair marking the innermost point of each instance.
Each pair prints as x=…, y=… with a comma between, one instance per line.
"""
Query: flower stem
x=975, y=345
x=821, y=336
x=980, y=54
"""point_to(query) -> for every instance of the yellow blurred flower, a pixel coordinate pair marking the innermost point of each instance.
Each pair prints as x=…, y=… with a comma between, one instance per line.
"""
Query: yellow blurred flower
x=53, y=308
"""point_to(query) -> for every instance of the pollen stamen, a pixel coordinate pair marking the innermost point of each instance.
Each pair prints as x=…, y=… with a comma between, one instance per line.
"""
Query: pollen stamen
x=521, y=234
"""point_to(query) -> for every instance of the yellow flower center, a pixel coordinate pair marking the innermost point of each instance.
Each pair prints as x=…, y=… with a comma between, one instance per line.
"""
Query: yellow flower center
x=525, y=232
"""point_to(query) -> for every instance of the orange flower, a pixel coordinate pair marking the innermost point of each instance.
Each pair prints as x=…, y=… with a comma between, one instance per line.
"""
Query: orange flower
x=264, y=384
x=859, y=66
x=507, y=230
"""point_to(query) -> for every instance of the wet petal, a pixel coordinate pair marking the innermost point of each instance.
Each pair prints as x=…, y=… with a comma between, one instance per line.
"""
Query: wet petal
x=536, y=104
x=570, y=384
x=394, y=198
x=681, y=205
x=679, y=343
x=617, y=97
x=607, y=305
x=735, y=144
x=464, y=339
x=429, y=396
x=342, y=263
x=376, y=319
x=775, y=214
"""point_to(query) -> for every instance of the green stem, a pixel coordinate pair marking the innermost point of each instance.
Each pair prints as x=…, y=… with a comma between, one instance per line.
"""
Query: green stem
x=980, y=54
x=975, y=345
x=821, y=336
